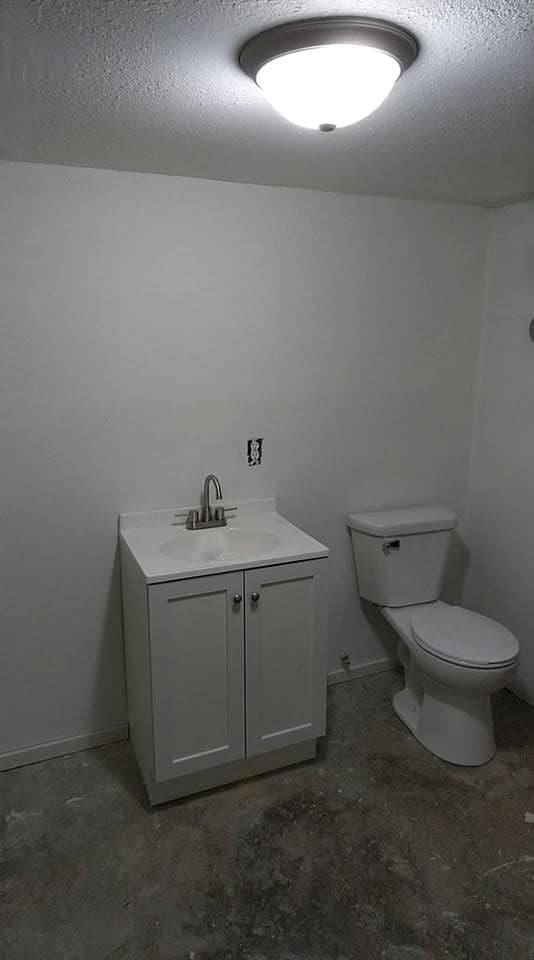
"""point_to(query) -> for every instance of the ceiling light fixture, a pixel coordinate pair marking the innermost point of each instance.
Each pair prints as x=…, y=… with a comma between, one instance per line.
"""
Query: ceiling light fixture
x=328, y=73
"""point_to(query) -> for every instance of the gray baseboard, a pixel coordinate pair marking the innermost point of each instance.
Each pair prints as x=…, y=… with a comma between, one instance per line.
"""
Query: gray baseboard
x=58, y=748
x=362, y=670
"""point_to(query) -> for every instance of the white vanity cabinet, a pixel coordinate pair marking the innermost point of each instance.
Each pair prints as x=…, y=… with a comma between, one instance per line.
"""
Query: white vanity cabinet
x=285, y=655
x=226, y=672
x=197, y=668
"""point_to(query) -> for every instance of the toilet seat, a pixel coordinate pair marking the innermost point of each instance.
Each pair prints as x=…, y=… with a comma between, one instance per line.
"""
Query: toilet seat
x=463, y=637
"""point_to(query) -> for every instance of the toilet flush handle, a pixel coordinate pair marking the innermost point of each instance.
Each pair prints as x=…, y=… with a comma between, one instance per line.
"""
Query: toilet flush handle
x=390, y=545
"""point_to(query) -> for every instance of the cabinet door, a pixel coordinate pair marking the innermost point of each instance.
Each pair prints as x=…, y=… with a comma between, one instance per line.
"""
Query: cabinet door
x=196, y=642
x=285, y=629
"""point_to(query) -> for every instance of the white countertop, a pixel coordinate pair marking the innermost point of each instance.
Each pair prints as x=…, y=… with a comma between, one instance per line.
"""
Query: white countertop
x=164, y=550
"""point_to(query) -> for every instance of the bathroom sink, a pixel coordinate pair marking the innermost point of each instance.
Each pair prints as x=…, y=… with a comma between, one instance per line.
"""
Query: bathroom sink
x=256, y=536
x=221, y=543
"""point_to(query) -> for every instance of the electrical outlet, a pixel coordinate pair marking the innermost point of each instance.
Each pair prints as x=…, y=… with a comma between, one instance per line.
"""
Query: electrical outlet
x=254, y=451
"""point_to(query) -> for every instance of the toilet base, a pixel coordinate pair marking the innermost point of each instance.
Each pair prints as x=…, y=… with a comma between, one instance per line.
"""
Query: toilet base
x=407, y=709
x=446, y=705
x=458, y=729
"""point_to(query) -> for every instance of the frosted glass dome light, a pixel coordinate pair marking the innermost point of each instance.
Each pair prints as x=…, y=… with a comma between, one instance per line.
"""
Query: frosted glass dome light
x=328, y=86
x=325, y=74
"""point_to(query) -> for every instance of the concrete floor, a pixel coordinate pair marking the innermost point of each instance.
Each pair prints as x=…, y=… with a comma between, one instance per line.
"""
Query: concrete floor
x=378, y=850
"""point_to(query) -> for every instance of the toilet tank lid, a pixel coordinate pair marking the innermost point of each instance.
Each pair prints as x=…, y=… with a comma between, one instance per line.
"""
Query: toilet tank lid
x=390, y=523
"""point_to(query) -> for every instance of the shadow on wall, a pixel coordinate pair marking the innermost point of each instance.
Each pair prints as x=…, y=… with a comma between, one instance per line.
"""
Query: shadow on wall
x=109, y=698
x=381, y=628
x=458, y=560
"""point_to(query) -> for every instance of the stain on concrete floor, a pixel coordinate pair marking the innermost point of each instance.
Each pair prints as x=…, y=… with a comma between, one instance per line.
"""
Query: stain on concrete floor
x=377, y=850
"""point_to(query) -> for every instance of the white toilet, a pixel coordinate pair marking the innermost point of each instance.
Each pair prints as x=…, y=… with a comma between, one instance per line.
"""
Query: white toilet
x=453, y=658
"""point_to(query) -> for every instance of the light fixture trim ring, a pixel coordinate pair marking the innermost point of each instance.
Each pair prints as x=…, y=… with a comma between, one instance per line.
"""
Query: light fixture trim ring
x=306, y=34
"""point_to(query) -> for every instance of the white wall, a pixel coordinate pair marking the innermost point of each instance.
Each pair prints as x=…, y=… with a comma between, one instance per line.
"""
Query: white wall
x=499, y=523
x=150, y=325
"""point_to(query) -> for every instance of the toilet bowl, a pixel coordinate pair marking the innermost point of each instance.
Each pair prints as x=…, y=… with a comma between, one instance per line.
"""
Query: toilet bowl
x=453, y=658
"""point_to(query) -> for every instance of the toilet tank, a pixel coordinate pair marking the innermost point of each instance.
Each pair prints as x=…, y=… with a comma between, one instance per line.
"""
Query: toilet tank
x=400, y=555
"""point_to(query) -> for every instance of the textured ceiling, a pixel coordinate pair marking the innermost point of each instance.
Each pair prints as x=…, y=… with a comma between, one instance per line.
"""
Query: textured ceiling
x=153, y=85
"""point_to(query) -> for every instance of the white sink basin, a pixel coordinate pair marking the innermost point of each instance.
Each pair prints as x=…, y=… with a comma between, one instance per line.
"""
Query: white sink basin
x=220, y=543
x=257, y=536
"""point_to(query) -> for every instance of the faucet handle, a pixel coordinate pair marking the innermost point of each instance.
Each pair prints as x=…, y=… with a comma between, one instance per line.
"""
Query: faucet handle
x=192, y=519
x=219, y=513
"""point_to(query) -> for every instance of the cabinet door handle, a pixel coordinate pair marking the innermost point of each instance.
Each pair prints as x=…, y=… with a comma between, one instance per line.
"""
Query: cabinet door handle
x=254, y=597
x=237, y=598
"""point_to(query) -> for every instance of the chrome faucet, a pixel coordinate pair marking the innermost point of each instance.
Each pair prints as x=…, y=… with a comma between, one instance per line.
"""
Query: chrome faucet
x=206, y=516
x=207, y=512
